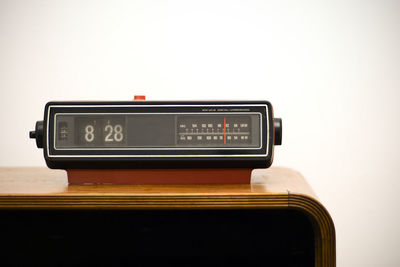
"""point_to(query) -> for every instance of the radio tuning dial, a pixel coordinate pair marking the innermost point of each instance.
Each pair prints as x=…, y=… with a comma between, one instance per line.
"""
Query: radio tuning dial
x=278, y=131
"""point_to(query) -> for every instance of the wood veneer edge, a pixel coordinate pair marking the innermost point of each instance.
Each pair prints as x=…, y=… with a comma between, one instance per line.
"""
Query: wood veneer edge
x=325, y=231
x=143, y=202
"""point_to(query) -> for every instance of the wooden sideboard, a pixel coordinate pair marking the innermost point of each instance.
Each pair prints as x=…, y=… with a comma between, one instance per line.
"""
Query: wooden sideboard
x=276, y=220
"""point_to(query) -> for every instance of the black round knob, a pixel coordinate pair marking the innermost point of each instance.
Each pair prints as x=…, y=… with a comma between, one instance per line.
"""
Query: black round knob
x=38, y=134
x=278, y=131
x=32, y=134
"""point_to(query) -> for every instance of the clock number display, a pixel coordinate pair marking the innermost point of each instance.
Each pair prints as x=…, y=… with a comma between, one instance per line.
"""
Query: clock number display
x=96, y=131
x=89, y=133
x=113, y=133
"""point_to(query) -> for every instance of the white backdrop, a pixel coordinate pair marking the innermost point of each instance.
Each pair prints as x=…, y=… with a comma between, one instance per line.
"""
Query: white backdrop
x=331, y=70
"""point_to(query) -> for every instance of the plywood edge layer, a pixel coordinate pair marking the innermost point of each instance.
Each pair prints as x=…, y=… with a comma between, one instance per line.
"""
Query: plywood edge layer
x=144, y=202
x=324, y=228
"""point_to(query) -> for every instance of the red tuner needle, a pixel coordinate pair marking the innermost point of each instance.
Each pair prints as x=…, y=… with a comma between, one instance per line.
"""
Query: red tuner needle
x=224, y=130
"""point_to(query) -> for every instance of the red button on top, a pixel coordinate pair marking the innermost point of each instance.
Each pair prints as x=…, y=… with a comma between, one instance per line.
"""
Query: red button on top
x=139, y=97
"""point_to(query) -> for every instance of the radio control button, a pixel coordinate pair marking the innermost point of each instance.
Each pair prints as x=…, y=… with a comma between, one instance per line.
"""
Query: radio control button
x=139, y=97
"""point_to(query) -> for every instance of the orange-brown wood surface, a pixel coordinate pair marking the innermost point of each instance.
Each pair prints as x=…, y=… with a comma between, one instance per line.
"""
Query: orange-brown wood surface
x=273, y=188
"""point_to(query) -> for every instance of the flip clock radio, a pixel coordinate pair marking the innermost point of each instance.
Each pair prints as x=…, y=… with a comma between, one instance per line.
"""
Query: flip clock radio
x=158, y=134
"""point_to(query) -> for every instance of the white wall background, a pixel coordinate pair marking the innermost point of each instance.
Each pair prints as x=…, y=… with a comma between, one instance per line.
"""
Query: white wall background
x=331, y=70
